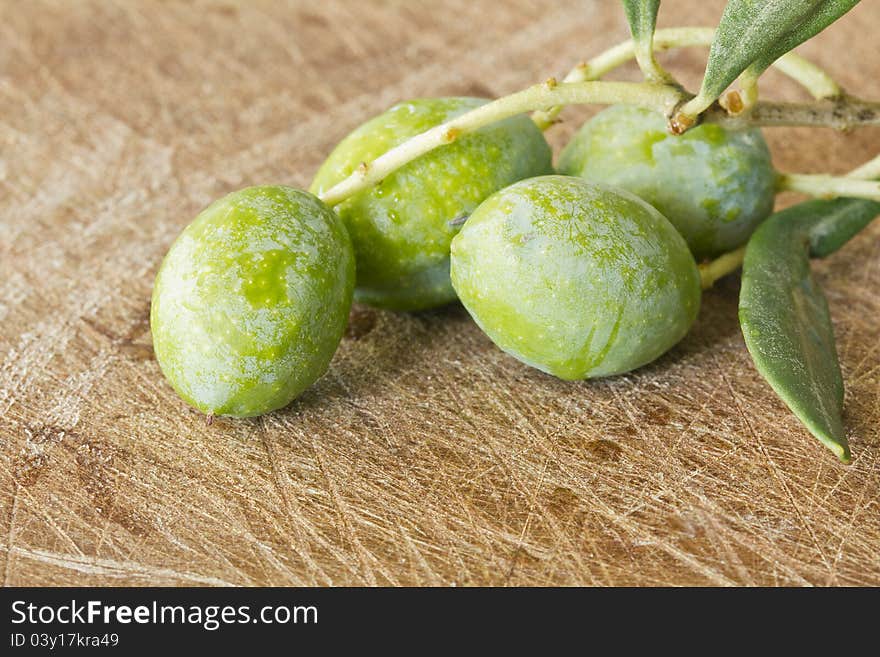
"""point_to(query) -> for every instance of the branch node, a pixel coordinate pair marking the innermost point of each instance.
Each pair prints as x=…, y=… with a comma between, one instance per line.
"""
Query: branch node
x=680, y=123
x=451, y=135
x=732, y=102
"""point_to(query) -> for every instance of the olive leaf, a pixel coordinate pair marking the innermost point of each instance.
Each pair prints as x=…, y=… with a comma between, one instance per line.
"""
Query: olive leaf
x=839, y=220
x=642, y=18
x=752, y=34
x=822, y=18
x=784, y=315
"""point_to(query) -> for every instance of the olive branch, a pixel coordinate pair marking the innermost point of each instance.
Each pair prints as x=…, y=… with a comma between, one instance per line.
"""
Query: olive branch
x=582, y=86
x=782, y=312
x=792, y=348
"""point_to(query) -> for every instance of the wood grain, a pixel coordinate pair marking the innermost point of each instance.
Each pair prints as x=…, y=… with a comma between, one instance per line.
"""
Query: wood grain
x=425, y=456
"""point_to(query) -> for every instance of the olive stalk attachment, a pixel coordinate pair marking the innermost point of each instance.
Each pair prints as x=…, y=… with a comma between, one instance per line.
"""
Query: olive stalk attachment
x=815, y=80
x=642, y=18
x=659, y=97
x=844, y=217
x=752, y=35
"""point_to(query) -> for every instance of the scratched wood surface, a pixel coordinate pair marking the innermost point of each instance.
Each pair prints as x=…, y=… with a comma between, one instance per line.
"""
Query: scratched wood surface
x=425, y=456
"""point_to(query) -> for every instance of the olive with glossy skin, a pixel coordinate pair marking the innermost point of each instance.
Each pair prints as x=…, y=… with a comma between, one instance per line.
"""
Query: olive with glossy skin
x=251, y=301
x=715, y=185
x=577, y=279
x=402, y=227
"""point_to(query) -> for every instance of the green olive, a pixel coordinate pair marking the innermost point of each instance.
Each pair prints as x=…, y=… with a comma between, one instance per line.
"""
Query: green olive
x=401, y=228
x=715, y=185
x=576, y=279
x=251, y=301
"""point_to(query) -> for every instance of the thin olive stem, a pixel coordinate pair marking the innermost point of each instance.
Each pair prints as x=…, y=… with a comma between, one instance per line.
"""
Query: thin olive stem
x=661, y=98
x=841, y=113
x=643, y=39
x=824, y=186
x=720, y=267
x=731, y=261
x=868, y=170
x=546, y=100
x=748, y=93
x=649, y=66
x=808, y=75
x=811, y=77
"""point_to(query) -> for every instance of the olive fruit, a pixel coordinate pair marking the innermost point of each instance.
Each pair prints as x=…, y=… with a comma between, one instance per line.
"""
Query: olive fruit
x=575, y=278
x=251, y=301
x=715, y=185
x=402, y=227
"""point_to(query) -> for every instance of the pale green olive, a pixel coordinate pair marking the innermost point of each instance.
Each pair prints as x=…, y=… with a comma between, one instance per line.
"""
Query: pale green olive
x=715, y=185
x=577, y=279
x=251, y=301
x=401, y=228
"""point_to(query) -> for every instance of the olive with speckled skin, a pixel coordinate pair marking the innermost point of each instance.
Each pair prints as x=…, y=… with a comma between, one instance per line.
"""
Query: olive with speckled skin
x=715, y=185
x=251, y=301
x=576, y=279
x=401, y=228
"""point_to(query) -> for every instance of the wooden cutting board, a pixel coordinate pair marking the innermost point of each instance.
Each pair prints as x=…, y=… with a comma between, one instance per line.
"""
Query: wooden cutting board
x=425, y=455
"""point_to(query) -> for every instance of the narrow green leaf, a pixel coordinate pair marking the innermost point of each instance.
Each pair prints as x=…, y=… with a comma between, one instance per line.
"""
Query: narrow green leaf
x=754, y=33
x=784, y=315
x=822, y=18
x=840, y=220
x=642, y=18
